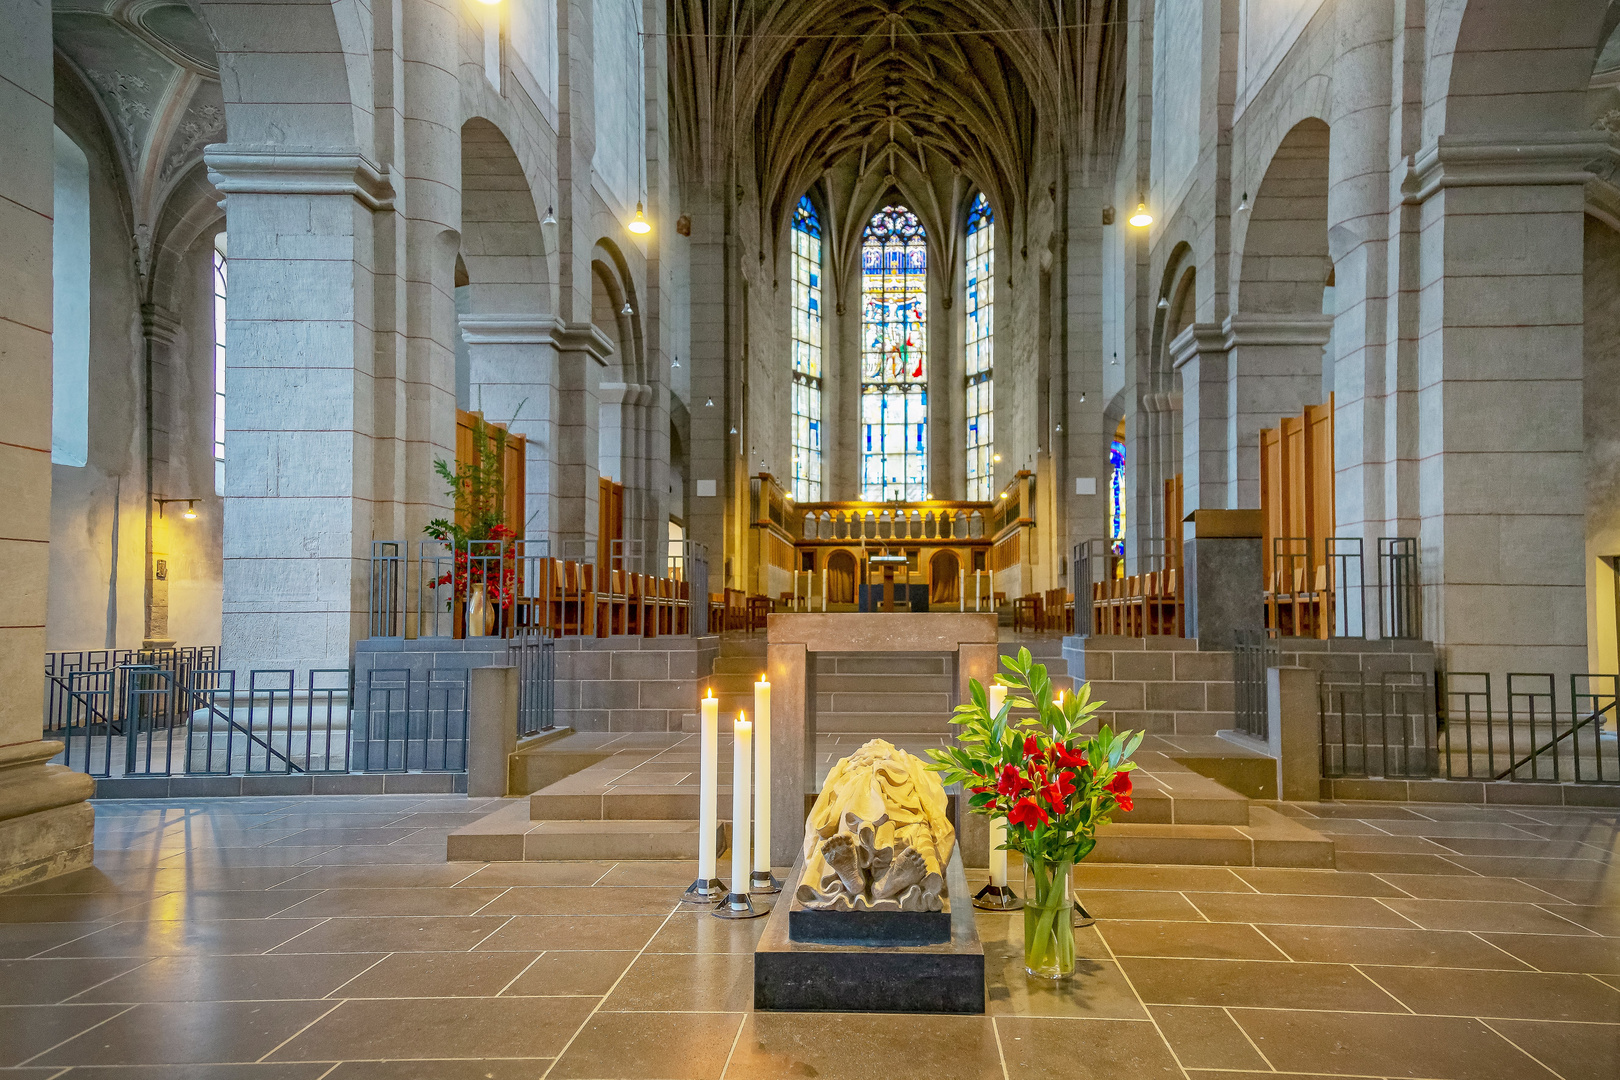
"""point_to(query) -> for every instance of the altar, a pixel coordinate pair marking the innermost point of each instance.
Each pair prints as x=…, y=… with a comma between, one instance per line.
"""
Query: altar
x=792, y=642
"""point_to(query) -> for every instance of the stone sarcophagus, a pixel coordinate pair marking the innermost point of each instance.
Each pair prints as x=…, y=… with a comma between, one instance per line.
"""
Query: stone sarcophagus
x=877, y=845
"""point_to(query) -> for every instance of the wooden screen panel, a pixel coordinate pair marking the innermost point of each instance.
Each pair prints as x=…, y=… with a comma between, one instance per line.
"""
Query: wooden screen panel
x=513, y=469
x=1172, y=521
x=1273, y=500
x=1297, y=482
x=1319, y=477
x=609, y=518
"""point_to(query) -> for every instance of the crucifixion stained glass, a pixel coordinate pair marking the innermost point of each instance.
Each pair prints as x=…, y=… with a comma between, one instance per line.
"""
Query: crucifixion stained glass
x=894, y=357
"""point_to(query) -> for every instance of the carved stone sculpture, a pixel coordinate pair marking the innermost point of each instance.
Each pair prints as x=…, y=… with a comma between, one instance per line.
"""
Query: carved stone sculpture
x=878, y=838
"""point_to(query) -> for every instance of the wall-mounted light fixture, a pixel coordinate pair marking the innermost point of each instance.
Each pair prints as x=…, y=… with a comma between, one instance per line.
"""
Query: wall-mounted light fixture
x=638, y=224
x=1141, y=219
x=548, y=230
x=190, y=513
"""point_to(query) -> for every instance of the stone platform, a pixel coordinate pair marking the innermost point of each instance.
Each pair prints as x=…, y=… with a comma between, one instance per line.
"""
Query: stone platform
x=797, y=976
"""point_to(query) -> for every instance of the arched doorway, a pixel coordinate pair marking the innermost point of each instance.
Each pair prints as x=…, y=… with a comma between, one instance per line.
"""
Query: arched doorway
x=944, y=578
x=841, y=578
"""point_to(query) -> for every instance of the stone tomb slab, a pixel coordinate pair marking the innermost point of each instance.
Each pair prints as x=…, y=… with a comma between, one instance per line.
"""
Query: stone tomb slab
x=797, y=976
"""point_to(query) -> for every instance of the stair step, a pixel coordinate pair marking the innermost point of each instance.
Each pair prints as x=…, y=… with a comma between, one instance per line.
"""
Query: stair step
x=884, y=684
x=508, y=835
x=901, y=703
x=881, y=664
x=881, y=723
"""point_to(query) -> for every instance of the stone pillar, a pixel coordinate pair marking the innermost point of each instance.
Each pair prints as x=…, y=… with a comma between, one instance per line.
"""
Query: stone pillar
x=515, y=368
x=299, y=447
x=1502, y=473
x=1224, y=579
x=1274, y=370
x=1294, y=732
x=1199, y=354
x=492, y=711
x=46, y=826
x=711, y=452
x=792, y=673
x=582, y=352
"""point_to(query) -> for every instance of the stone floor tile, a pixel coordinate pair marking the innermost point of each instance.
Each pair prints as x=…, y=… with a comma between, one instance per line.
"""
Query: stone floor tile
x=412, y=902
x=1255, y=984
x=227, y=857
x=653, y=874
x=202, y=906
x=380, y=854
x=1089, y=876
x=28, y=1030
x=700, y=931
x=1520, y=867
x=572, y=900
x=168, y=937
x=46, y=982
x=1216, y=941
x=191, y=1032
x=1285, y=881
x=211, y=1071
x=650, y=1046
x=1602, y=920
x=588, y=973
x=685, y=982
x=491, y=875
x=1470, y=887
x=539, y=933
x=1592, y=955
x=1098, y=990
x=437, y=975
x=1003, y=934
x=1366, y=945
x=1389, y=1044
x=1525, y=995
x=376, y=835
x=1111, y=904
x=1037, y=1048
x=1206, y=1038
x=1381, y=863
x=401, y=876
x=1523, y=849
x=1304, y=910
x=1501, y=918
x=379, y=1029
x=477, y=1069
x=1363, y=811
x=94, y=907
x=846, y=1046
x=232, y=978
x=443, y=934
x=1573, y=1051
x=19, y=940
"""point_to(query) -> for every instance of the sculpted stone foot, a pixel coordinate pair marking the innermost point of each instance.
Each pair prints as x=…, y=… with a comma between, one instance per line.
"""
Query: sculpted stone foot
x=907, y=869
x=840, y=852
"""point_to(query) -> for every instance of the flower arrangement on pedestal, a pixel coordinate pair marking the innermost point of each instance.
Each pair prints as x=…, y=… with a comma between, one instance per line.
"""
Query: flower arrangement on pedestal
x=483, y=566
x=1053, y=784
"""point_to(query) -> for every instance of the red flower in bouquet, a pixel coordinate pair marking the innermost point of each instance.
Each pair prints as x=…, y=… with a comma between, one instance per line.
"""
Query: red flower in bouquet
x=1027, y=813
x=1032, y=748
x=1010, y=783
x=1068, y=759
x=1119, y=785
x=1058, y=791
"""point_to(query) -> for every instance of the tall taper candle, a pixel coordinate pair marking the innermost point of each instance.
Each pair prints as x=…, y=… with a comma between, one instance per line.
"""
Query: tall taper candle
x=998, y=825
x=742, y=766
x=708, y=787
x=762, y=781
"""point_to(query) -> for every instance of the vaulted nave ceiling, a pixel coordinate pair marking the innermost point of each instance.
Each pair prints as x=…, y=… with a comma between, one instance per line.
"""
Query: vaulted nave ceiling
x=923, y=96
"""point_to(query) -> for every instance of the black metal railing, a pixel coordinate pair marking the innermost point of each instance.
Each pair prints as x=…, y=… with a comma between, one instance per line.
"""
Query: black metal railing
x=535, y=657
x=1253, y=651
x=1400, y=600
x=1378, y=724
x=407, y=723
x=1525, y=735
x=97, y=679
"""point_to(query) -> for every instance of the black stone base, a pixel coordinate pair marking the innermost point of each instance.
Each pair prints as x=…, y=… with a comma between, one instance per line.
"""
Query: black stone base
x=802, y=976
x=868, y=927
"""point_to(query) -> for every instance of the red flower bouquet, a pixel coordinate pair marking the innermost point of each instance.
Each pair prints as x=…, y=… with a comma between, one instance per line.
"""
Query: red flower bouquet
x=1054, y=785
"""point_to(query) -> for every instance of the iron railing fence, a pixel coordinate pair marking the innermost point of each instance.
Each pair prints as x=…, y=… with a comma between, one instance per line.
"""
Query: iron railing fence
x=407, y=723
x=1400, y=600
x=535, y=657
x=1253, y=651
x=522, y=588
x=1378, y=724
x=1526, y=734
x=102, y=679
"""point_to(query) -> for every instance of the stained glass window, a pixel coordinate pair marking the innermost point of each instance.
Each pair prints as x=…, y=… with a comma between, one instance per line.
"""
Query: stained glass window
x=1116, y=502
x=894, y=357
x=219, y=365
x=981, y=396
x=806, y=353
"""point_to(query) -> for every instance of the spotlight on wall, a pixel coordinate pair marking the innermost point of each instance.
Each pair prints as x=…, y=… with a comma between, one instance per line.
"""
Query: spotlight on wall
x=709, y=404
x=1164, y=303
x=627, y=310
x=995, y=457
x=734, y=431
x=548, y=230
x=1243, y=207
x=190, y=512
x=1141, y=219
x=638, y=224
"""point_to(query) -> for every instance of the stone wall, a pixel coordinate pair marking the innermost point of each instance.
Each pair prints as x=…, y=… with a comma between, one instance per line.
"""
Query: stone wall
x=631, y=683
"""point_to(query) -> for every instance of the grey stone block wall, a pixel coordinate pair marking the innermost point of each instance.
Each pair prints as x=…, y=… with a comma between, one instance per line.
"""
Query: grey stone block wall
x=631, y=683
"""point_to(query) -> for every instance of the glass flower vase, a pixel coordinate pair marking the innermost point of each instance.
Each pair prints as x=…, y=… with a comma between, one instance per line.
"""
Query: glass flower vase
x=1048, y=918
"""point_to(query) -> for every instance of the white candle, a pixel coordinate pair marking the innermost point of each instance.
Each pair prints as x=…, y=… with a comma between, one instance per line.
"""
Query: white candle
x=961, y=588
x=823, y=589
x=741, y=767
x=708, y=787
x=998, y=854
x=762, y=783
x=998, y=825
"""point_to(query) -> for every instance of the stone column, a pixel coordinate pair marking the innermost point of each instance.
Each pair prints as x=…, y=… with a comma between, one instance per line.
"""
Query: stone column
x=582, y=352
x=45, y=824
x=1199, y=354
x=299, y=492
x=514, y=371
x=1274, y=369
x=1502, y=474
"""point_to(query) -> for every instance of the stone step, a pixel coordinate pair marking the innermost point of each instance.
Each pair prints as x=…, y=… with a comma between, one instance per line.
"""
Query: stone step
x=884, y=684
x=881, y=664
x=831, y=704
x=509, y=835
x=881, y=723
x=1269, y=839
x=751, y=666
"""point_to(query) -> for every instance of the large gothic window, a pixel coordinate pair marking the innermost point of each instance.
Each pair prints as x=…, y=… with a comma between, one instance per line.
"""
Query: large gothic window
x=806, y=353
x=894, y=357
x=980, y=339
